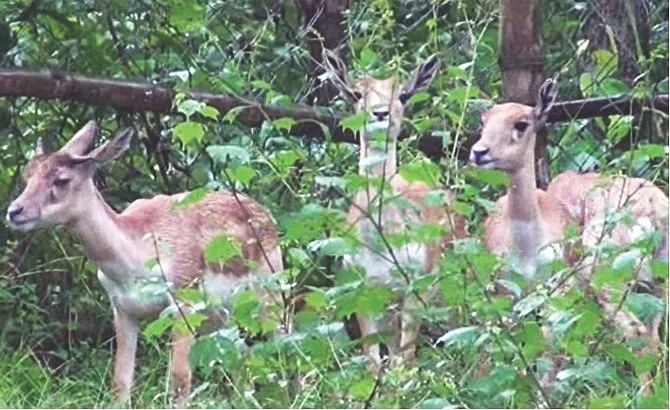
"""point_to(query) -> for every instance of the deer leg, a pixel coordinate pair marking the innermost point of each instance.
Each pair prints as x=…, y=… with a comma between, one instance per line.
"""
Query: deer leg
x=368, y=327
x=180, y=368
x=409, y=330
x=127, y=330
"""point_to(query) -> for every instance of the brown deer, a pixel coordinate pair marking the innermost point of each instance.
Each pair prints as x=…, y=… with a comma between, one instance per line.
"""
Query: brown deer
x=60, y=191
x=620, y=211
x=377, y=212
x=530, y=223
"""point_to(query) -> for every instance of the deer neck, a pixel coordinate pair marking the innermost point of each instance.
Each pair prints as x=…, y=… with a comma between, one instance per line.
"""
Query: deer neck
x=370, y=151
x=522, y=196
x=105, y=240
x=524, y=217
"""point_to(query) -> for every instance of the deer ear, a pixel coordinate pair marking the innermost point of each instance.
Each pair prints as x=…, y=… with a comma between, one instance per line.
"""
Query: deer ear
x=43, y=146
x=421, y=78
x=545, y=100
x=113, y=148
x=80, y=144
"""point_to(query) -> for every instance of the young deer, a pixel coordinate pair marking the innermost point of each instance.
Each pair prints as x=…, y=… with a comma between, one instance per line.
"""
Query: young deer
x=374, y=210
x=530, y=223
x=60, y=191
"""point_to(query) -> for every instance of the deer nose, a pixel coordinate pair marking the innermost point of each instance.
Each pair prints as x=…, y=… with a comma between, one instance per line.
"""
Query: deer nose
x=14, y=212
x=478, y=155
x=380, y=115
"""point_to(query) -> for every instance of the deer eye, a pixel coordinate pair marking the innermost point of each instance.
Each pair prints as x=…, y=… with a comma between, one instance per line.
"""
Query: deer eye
x=61, y=182
x=404, y=97
x=357, y=95
x=521, y=126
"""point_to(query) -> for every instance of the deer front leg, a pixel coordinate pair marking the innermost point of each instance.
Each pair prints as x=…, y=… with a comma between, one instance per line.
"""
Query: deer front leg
x=368, y=327
x=409, y=331
x=127, y=330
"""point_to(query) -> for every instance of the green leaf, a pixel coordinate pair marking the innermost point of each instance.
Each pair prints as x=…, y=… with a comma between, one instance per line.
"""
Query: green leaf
x=612, y=87
x=208, y=111
x=528, y=304
x=368, y=58
x=232, y=114
x=644, y=305
x=334, y=246
x=242, y=174
x=192, y=197
x=189, y=107
x=316, y=300
x=606, y=63
x=353, y=122
x=298, y=257
x=462, y=335
x=492, y=177
x=586, y=85
x=189, y=131
x=363, y=388
x=284, y=123
x=187, y=16
x=418, y=97
x=157, y=327
x=577, y=348
x=227, y=154
x=424, y=171
x=511, y=286
x=619, y=127
x=222, y=248
x=373, y=300
x=660, y=269
x=662, y=86
x=463, y=208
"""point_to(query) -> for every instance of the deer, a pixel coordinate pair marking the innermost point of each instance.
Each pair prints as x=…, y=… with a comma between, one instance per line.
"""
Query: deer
x=530, y=224
x=375, y=212
x=619, y=210
x=60, y=191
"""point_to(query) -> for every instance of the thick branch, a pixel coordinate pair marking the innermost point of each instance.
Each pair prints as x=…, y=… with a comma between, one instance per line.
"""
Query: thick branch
x=140, y=97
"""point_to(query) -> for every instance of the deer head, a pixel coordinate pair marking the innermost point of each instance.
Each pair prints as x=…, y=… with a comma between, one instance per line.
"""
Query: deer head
x=59, y=184
x=384, y=100
x=508, y=132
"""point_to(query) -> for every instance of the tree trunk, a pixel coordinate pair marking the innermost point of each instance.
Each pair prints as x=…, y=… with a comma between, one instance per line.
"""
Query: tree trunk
x=628, y=21
x=631, y=39
x=326, y=30
x=521, y=65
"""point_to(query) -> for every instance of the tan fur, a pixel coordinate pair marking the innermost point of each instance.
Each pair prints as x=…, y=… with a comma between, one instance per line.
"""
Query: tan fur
x=591, y=197
x=122, y=245
x=381, y=99
x=507, y=145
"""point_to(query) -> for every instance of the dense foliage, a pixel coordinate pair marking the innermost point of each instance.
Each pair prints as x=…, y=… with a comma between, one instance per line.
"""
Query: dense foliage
x=55, y=318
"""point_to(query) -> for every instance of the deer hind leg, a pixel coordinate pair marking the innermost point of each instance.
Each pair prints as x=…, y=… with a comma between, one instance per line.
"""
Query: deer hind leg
x=632, y=328
x=180, y=368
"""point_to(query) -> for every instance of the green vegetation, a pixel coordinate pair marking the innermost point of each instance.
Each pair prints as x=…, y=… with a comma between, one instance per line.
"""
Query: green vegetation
x=55, y=320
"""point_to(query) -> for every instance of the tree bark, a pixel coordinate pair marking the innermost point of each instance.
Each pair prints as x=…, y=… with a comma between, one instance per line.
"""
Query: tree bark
x=326, y=30
x=142, y=97
x=521, y=64
x=628, y=21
